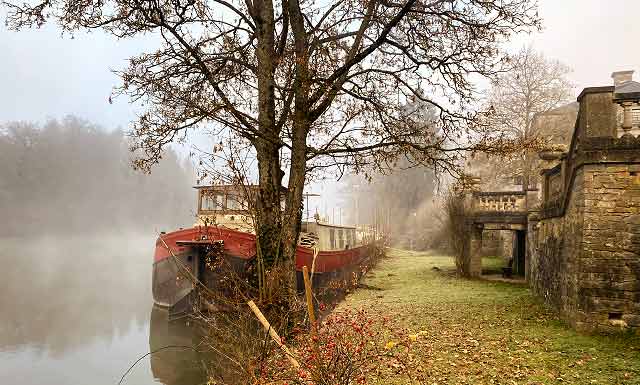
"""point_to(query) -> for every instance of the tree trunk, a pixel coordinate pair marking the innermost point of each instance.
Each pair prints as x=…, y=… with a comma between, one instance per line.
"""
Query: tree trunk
x=268, y=224
x=301, y=125
x=293, y=213
x=268, y=212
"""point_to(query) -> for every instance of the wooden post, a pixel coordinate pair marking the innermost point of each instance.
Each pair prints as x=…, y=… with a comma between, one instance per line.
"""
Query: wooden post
x=274, y=335
x=307, y=289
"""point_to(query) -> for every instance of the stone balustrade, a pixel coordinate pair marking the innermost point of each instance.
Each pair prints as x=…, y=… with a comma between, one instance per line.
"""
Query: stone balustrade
x=629, y=119
x=627, y=97
x=500, y=201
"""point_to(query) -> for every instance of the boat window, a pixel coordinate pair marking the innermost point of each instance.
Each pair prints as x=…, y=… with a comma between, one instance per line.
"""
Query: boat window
x=332, y=238
x=349, y=238
x=211, y=201
x=235, y=202
x=341, y=238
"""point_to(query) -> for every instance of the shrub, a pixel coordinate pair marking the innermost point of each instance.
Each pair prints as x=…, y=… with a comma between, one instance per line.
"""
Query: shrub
x=457, y=217
x=348, y=348
x=241, y=352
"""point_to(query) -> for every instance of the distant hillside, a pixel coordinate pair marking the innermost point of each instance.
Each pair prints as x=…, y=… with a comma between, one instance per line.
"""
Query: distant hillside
x=71, y=175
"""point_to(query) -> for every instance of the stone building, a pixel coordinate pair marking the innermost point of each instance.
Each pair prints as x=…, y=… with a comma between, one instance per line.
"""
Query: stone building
x=584, y=242
x=556, y=127
x=583, y=237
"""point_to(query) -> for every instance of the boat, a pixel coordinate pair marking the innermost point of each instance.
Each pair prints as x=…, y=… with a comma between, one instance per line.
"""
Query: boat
x=182, y=259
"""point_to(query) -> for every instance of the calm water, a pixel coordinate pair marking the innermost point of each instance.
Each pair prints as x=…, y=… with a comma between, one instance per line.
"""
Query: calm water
x=79, y=311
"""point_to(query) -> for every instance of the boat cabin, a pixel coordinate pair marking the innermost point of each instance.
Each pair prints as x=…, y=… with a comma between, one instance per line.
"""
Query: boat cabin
x=328, y=237
x=229, y=206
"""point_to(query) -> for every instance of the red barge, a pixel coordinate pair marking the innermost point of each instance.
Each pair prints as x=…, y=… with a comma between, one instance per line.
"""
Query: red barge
x=335, y=252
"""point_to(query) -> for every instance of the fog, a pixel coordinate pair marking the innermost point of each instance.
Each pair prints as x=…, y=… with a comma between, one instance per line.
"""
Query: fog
x=78, y=224
x=77, y=236
x=78, y=310
x=77, y=230
x=593, y=37
x=70, y=176
x=60, y=294
x=401, y=202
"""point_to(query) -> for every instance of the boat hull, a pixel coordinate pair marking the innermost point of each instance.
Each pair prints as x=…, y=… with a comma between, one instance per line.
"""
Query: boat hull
x=177, y=262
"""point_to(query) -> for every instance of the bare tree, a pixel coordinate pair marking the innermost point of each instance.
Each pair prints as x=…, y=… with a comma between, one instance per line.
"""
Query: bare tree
x=308, y=84
x=532, y=86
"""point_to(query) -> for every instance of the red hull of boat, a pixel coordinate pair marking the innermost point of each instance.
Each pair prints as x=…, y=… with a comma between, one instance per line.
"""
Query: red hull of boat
x=239, y=247
x=243, y=245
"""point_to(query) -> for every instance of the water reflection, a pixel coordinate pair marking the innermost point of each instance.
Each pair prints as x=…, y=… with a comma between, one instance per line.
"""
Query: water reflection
x=175, y=361
x=60, y=295
x=79, y=310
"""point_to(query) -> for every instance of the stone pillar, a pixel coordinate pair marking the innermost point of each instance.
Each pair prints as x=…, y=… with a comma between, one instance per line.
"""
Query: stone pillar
x=627, y=117
x=545, y=186
x=531, y=256
x=475, y=251
x=563, y=173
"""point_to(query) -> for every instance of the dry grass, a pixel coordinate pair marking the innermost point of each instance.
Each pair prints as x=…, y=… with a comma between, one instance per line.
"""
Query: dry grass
x=478, y=332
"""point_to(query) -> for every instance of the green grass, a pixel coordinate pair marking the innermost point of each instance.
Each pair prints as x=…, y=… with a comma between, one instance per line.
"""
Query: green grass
x=493, y=265
x=480, y=332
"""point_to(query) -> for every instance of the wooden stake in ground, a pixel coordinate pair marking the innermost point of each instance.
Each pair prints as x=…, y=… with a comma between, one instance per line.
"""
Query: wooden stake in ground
x=307, y=289
x=274, y=335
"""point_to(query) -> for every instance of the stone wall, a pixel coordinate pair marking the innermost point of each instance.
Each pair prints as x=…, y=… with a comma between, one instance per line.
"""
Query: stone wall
x=554, y=251
x=584, y=243
x=586, y=263
x=609, y=274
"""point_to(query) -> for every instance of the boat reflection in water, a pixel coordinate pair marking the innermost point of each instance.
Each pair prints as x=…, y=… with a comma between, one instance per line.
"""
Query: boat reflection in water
x=174, y=360
x=77, y=311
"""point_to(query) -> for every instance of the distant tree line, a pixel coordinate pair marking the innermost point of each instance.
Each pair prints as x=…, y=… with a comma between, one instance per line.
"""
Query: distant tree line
x=73, y=176
x=400, y=203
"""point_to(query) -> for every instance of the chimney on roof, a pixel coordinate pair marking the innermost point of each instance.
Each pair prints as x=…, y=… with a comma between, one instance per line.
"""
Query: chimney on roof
x=620, y=77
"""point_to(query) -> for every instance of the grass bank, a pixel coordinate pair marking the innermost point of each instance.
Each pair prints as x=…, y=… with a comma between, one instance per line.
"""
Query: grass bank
x=479, y=332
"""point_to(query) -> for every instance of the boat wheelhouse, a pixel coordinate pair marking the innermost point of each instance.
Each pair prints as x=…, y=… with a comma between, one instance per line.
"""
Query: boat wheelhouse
x=229, y=206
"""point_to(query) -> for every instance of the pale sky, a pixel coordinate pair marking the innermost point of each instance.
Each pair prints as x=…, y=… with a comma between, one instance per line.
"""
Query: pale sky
x=45, y=76
x=593, y=37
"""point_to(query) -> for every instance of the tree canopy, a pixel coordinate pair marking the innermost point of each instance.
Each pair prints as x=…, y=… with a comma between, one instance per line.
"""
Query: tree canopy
x=310, y=85
x=519, y=99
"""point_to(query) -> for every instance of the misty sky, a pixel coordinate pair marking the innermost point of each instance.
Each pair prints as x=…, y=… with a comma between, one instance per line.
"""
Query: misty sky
x=43, y=76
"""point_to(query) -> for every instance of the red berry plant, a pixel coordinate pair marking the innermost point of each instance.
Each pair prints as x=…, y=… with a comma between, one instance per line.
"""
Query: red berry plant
x=349, y=347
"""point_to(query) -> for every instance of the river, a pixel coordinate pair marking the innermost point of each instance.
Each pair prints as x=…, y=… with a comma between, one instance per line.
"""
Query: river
x=79, y=311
